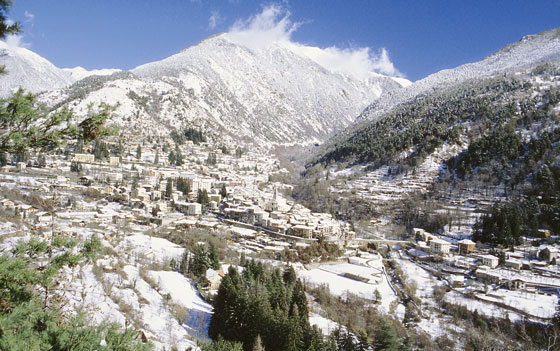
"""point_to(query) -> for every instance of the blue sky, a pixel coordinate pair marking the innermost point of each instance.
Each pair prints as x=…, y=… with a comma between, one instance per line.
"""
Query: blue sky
x=419, y=37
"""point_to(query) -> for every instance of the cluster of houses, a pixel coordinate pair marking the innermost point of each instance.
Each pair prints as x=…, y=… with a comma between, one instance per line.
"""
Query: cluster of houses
x=143, y=196
x=464, y=254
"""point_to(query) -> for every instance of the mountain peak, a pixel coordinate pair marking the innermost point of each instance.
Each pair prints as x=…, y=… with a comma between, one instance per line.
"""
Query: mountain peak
x=30, y=71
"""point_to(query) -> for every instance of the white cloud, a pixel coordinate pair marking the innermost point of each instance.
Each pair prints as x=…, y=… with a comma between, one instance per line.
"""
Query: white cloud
x=29, y=17
x=214, y=19
x=16, y=41
x=273, y=25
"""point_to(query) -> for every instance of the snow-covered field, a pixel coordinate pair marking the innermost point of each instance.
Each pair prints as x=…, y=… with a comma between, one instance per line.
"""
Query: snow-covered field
x=332, y=275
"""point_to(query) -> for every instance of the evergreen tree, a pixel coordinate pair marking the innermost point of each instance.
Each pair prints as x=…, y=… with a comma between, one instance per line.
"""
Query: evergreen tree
x=257, y=345
x=202, y=197
x=199, y=262
x=76, y=167
x=156, y=159
x=139, y=152
x=238, y=152
x=169, y=188
x=42, y=160
x=223, y=191
x=385, y=338
x=213, y=256
x=211, y=160
x=171, y=157
x=6, y=27
x=178, y=156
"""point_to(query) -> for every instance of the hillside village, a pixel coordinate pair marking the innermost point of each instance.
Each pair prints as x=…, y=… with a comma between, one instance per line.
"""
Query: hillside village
x=130, y=200
x=251, y=192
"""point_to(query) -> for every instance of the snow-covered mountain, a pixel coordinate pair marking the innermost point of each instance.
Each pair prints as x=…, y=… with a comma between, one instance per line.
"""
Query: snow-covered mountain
x=270, y=94
x=529, y=51
x=79, y=72
x=30, y=71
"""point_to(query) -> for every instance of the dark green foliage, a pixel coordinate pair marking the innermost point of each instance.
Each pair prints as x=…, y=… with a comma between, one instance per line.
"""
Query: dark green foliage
x=76, y=167
x=6, y=27
x=222, y=345
x=29, y=320
x=238, y=152
x=169, y=188
x=500, y=146
x=178, y=156
x=211, y=160
x=101, y=150
x=261, y=303
x=27, y=124
x=427, y=122
x=385, y=338
x=191, y=134
x=199, y=260
x=223, y=191
x=183, y=186
x=3, y=159
x=171, y=157
x=213, y=256
x=202, y=197
x=139, y=152
x=92, y=247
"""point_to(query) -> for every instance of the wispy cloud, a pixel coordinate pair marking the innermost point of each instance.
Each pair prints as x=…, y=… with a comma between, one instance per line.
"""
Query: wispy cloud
x=29, y=17
x=214, y=20
x=273, y=25
x=16, y=41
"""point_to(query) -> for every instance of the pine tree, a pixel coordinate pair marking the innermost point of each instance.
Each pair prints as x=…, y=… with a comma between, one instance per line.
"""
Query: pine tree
x=213, y=256
x=178, y=156
x=257, y=344
x=385, y=338
x=169, y=188
x=156, y=159
x=202, y=197
x=223, y=192
x=139, y=152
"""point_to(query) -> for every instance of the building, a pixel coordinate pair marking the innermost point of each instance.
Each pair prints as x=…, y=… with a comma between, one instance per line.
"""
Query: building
x=489, y=260
x=189, y=208
x=440, y=246
x=303, y=231
x=214, y=278
x=114, y=160
x=466, y=246
x=86, y=158
x=549, y=253
x=517, y=284
x=485, y=274
x=513, y=263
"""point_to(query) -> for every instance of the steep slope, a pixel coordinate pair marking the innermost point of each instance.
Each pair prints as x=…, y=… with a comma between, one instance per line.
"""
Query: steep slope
x=270, y=95
x=529, y=51
x=481, y=140
x=30, y=71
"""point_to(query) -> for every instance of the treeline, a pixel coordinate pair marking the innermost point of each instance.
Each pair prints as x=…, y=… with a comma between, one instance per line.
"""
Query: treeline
x=267, y=305
x=263, y=308
x=429, y=121
x=531, y=169
x=194, y=135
